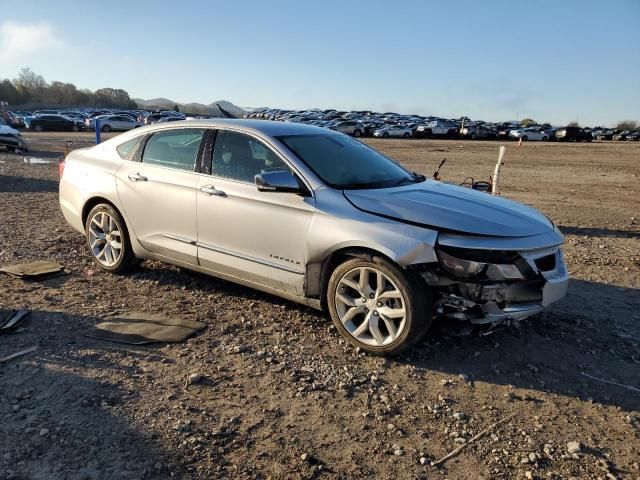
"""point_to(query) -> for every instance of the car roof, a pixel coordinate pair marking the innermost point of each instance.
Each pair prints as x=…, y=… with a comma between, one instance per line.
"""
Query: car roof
x=268, y=127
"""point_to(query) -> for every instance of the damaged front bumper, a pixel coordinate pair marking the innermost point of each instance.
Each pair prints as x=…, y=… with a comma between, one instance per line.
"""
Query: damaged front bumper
x=480, y=300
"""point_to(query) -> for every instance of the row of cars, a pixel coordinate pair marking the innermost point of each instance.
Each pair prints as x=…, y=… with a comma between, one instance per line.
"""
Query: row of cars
x=355, y=123
x=390, y=124
x=77, y=120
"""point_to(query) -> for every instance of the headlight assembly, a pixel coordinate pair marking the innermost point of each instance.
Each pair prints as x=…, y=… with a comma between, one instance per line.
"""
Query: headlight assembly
x=463, y=268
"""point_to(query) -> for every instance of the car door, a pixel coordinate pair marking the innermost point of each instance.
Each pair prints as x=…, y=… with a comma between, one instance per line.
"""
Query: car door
x=158, y=192
x=259, y=237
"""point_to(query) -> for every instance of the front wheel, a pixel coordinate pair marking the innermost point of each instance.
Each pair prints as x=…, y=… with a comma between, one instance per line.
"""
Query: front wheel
x=106, y=128
x=378, y=307
x=525, y=138
x=385, y=135
x=75, y=128
x=38, y=128
x=406, y=134
x=357, y=133
x=108, y=239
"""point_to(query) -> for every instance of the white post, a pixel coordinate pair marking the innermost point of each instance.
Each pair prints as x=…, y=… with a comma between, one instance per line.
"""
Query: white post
x=496, y=172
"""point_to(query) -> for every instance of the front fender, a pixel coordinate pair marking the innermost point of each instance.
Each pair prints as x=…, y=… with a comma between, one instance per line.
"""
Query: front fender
x=338, y=225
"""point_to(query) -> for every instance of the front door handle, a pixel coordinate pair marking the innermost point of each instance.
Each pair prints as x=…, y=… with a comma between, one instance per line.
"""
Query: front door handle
x=211, y=190
x=136, y=177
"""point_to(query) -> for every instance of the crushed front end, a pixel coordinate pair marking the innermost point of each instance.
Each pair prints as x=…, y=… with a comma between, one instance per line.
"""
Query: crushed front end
x=488, y=286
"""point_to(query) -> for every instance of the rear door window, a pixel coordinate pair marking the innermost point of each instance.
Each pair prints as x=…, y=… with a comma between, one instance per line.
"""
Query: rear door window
x=176, y=148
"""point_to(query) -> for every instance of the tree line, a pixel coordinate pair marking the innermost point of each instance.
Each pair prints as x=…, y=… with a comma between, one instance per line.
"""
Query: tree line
x=31, y=88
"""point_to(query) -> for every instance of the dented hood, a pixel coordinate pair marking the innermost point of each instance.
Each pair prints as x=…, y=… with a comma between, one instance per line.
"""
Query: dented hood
x=450, y=207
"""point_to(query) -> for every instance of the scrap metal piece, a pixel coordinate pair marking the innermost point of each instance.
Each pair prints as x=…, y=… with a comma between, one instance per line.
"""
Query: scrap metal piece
x=14, y=320
x=18, y=354
x=137, y=328
x=33, y=270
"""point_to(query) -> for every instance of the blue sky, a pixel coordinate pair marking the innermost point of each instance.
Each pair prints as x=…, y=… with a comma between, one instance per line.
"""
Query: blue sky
x=492, y=60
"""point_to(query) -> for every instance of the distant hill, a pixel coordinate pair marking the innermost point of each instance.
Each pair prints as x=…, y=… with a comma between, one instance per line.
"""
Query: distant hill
x=199, y=108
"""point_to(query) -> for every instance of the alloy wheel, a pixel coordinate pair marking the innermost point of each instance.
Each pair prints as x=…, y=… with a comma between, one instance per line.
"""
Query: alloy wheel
x=370, y=306
x=105, y=239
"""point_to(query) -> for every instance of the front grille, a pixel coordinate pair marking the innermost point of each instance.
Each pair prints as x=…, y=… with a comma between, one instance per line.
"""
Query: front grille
x=547, y=263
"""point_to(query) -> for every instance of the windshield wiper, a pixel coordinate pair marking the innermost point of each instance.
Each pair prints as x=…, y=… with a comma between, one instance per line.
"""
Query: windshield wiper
x=415, y=178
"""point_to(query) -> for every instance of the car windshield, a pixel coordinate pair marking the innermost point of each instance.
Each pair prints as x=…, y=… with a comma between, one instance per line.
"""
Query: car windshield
x=345, y=163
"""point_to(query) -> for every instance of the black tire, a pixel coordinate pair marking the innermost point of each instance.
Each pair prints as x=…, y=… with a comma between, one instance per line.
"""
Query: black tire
x=357, y=133
x=38, y=128
x=473, y=136
x=406, y=134
x=127, y=260
x=545, y=138
x=75, y=128
x=525, y=138
x=106, y=128
x=385, y=134
x=416, y=297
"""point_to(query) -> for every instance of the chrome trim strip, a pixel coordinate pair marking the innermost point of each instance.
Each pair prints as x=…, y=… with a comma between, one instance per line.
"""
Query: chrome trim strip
x=179, y=239
x=250, y=258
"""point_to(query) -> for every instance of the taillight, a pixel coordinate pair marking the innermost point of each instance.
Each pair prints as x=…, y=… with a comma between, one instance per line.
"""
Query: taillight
x=61, y=165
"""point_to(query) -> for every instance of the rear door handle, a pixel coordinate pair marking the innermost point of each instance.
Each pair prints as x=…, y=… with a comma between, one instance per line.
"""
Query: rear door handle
x=211, y=190
x=136, y=177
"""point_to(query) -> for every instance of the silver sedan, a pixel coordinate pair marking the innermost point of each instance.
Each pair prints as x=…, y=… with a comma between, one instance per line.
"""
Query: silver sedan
x=115, y=123
x=316, y=217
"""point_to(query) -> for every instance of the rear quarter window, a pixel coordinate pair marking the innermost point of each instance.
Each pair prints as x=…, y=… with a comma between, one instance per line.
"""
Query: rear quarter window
x=125, y=149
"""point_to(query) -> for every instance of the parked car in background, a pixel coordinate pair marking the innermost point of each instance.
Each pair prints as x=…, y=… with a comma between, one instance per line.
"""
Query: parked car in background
x=474, y=132
x=116, y=123
x=11, y=138
x=633, y=136
x=621, y=136
x=606, y=134
x=437, y=128
x=316, y=217
x=502, y=131
x=14, y=119
x=170, y=118
x=350, y=127
x=550, y=133
x=528, y=134
x=573, y=134
x=393, y=131
x=53, y=122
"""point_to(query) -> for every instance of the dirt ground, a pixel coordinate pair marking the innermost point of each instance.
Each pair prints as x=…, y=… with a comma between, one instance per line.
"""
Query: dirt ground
x=283, y=397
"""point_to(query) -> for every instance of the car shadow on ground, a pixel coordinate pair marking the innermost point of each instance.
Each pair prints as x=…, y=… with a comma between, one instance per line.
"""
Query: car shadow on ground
x=589, y=332
x=19, y=184
x=53, y=402
x=598, y=232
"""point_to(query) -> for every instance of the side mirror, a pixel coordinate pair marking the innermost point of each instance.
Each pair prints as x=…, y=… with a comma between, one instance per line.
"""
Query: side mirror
x=280, y=181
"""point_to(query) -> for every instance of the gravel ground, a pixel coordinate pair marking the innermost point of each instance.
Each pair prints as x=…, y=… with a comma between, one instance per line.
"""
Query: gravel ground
x=282, y=396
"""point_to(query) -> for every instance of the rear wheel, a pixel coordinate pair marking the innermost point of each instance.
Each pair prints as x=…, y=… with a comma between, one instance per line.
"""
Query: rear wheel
x=525, y=138
x=385, y=135
x=108, y=239
x=38, y=128
x=378, y=307
x=357, y=133
x=406, y=134
x=545, y=138
x=75, y=128
x=106, y=128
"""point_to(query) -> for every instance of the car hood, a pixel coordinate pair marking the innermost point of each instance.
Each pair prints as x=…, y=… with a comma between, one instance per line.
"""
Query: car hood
x=453, y=208
x=7, y=130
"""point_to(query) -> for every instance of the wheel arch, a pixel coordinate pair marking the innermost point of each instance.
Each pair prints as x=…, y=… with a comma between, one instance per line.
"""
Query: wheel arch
x=138, y=249
x=97, y=200
x=320, y=273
